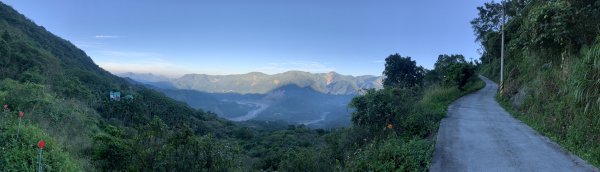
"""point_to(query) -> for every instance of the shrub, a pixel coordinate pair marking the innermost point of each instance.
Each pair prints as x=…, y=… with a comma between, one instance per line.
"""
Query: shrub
x=378, y=108
x=393, y=154
x=21, y=154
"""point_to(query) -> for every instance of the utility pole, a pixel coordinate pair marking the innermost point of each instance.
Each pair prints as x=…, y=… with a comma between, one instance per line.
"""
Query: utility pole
x=502, y=48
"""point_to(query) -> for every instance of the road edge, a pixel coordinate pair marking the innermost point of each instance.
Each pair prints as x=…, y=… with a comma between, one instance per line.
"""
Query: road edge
x=554, y=143
x=467, y=92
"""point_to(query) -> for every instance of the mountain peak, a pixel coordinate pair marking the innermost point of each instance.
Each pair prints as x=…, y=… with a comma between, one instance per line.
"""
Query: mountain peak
x=260, y=83
x=256, y=73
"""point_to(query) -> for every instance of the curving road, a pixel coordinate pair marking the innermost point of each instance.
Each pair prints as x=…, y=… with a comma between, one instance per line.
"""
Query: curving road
x=479, y=135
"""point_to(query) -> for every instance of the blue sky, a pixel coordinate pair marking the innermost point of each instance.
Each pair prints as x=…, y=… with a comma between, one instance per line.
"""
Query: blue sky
x=271, y=36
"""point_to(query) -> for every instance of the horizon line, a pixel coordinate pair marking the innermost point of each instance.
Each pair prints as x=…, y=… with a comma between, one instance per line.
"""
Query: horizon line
x=178, y=75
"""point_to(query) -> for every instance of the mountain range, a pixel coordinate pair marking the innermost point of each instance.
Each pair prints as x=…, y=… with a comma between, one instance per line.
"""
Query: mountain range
x=318, y=100
x=260, y=83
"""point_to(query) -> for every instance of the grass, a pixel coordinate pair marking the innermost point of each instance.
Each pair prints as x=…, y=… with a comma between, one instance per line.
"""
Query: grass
x=564, y=104
x=586, y=151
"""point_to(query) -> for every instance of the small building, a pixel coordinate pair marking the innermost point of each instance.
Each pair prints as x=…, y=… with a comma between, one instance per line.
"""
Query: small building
x=115, y=95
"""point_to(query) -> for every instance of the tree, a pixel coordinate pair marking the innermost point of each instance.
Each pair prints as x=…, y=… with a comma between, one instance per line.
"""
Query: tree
x=444, y=62
x=550, y=26
x=453, y=70
x=402, y=72
x=489, y=20
x=379, y=108
x=6, y=36
x=110, y=151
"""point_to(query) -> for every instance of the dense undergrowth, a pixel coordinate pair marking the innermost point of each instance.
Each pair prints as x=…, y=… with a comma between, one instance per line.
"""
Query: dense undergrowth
x=565, y=110
x=21, y=153
x=552, y=74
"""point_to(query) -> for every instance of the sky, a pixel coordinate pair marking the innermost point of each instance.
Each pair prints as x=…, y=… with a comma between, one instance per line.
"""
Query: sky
x=220, y=37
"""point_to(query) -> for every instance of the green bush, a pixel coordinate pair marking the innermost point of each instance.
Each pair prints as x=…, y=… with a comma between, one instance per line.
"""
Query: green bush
x=307, y=160
x=453, y=70
x=379, y=108
x=393, y=154
x=21, y=154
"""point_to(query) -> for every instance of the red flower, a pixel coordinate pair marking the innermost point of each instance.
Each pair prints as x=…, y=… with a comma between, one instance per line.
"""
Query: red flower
x=41, y=144
x=21, y=114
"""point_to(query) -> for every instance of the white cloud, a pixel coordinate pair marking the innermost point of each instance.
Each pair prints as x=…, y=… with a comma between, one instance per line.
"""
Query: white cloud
x=138, y=62
x=81, y=44
x=307, y=66
x=106, y=36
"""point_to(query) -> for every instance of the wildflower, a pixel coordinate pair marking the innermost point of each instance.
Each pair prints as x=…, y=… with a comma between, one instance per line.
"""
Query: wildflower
x=41, y=144
x=21, y=114
x=390, y=126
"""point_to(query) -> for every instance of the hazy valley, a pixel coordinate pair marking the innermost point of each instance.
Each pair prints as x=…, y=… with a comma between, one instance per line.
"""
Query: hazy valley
x=288, y=97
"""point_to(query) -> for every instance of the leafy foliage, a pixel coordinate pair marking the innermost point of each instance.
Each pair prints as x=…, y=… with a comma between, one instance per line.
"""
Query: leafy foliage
x=402, y=72
x=376, y=109
x=454, y=70
x=394, y=154
x=20, y=154
x=587, y=80
x=489, y=20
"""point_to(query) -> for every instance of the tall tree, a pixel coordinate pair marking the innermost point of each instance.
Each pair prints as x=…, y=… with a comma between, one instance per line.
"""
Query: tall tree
x=402, y=72
x=453, y=70
x=489, y=20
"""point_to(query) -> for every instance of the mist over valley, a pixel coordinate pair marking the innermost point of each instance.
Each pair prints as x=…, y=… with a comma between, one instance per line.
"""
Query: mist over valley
x=317, y=100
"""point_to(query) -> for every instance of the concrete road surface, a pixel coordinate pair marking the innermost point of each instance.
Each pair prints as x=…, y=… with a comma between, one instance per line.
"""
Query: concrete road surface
x=478, y=135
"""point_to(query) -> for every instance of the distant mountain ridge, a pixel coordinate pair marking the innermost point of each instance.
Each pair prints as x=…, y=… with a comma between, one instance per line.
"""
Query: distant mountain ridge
x=260, y=83
x=290, y=103
x=144, y=77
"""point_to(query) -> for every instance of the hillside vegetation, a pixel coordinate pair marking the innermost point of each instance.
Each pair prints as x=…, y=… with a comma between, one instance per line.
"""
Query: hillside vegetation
x=65, y=100
x=552, y=67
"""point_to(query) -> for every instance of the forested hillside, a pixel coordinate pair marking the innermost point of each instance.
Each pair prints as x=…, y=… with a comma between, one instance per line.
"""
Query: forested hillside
x=65, y=98
x=53, y=91
x=552, y=67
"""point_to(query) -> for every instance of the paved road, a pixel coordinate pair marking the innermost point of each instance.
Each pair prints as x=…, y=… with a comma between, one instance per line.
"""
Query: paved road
x=478, y=135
